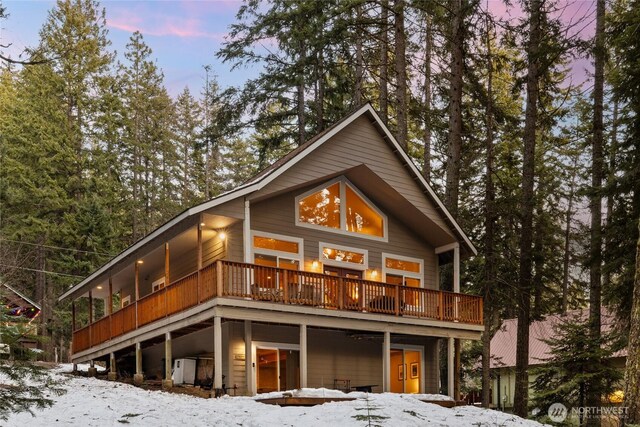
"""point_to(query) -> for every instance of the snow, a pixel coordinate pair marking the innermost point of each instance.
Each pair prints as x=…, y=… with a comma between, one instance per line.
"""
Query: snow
x=96, y=402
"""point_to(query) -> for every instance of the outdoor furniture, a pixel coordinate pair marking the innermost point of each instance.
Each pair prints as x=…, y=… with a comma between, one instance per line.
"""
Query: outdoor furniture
x=365, y=388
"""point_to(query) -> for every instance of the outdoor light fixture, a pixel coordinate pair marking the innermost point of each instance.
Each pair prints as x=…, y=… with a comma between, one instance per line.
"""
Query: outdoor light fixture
x=202, y=224
x=99, y=287
x=222, y=235
x=140, y=261
x=314, y=264
x=374, y=273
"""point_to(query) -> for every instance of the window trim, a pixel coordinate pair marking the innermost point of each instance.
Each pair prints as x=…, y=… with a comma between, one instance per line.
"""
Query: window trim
x=403, y=273
x=343, y=264
x=278, y=254
x=342, y=180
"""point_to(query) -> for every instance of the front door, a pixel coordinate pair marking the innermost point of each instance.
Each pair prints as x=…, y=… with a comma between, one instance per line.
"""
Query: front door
x=278, y=369
x=332, y=289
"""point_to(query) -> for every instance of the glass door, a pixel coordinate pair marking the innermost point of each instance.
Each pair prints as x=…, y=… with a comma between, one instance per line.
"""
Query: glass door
x=406, y=371
x=277, y=369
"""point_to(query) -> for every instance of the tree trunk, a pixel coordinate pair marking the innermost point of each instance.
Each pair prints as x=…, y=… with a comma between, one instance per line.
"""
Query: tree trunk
x=595, y=265
x=358, y=96
x=521, y=389
x=489, y=223
x=454, y=141
x=401, y=74
x=300, y=93
x=567, y=243
x=384, y=61
x=428, y=41
x=632, y=370
x=320, y=90
x=611, y=179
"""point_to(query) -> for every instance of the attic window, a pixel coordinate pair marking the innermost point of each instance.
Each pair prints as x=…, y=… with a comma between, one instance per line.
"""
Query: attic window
x=340, y=207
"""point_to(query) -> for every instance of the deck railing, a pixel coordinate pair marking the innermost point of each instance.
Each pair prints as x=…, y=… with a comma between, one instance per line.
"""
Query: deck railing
x=281, y=286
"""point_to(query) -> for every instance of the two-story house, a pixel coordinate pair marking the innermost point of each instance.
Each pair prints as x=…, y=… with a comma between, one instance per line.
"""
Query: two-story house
x=322, y=270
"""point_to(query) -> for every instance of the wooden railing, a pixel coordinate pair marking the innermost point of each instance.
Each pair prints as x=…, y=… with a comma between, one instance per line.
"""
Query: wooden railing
x=283, y=286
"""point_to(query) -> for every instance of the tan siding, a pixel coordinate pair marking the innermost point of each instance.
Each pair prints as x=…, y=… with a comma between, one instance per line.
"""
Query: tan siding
x=233, y=208
x=277, y=215
x=212, y=250
x=334, y=355
x=358, y=143
x=235, y=243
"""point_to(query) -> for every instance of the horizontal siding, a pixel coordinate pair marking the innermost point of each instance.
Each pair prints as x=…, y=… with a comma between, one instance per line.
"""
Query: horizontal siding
x=233, y=208
x=277, y=215
x=358, y=143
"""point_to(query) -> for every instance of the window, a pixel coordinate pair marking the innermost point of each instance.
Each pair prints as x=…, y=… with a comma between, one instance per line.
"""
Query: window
x=274, y=250
x=343, y=256
x=157, y=284
x=402, y=270
x=338, y=206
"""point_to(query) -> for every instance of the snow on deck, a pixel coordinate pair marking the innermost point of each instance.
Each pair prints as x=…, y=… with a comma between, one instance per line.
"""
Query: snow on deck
x=95, y=402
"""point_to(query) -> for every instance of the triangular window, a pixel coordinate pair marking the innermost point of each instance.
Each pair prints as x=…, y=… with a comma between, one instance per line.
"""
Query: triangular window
x=338, y=205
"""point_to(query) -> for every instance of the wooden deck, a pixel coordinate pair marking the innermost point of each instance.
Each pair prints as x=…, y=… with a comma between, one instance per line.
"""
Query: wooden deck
x=276, y=285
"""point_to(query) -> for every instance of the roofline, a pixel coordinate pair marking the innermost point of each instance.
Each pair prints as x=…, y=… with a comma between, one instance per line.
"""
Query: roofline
x=262, y=181
x=21, y=295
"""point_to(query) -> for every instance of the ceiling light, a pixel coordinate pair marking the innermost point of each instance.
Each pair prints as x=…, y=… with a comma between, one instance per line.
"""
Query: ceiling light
x=99, y=287
x=222, y=235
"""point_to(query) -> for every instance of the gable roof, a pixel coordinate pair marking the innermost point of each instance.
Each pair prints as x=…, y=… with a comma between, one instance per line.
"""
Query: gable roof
x=19, y=295
x=503, y=343
x=283, y=164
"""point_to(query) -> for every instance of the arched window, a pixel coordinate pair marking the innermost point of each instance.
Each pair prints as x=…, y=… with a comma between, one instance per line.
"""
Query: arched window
x=340, y=207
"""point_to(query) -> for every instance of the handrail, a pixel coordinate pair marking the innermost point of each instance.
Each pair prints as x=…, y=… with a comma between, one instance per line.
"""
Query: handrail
x=279, y=285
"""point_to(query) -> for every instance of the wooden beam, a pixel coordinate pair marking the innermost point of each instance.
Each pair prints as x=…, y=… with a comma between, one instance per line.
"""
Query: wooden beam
x=137, y=280
x=386, y=363
x=90, y=308
x=167, y=271
x=73, y=315
x=303, y=356
x=248, y=357
x=217, y=352
x=110, y=296
x=199, y=243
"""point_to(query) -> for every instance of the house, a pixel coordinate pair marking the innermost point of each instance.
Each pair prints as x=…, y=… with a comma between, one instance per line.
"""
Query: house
x=321, y=271
x=503, y=352
x=19, y=306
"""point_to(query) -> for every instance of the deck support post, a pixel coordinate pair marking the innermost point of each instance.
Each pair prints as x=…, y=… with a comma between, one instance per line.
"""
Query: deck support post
x=217, y=353
x=386, y=362
x=303, y=356
x=450, y=368
x=456, y=343
x=92, y=371
x=248, y=356
x=167, y=383
x=112, y=375
x=199, y=244
x=138, y=377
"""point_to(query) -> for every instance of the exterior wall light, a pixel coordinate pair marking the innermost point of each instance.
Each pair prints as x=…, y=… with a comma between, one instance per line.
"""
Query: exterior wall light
x=222, y=235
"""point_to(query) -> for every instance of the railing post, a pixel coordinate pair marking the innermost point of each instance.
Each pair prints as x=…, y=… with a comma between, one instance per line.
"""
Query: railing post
x=340, y=293
x=167, y=276
x=361, y=298
x=285, y=289
x=199, y=279
x=481, y=313
x=440, y=305
x=397, y=301
x=219, y=277
x=90, y=319
x=137, y=286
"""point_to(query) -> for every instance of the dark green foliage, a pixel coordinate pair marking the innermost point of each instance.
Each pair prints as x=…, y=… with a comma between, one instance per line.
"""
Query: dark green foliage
x=25, y=385
x=576, y=363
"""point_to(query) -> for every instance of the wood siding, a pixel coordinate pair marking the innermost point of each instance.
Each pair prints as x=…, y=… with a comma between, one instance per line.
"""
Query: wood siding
x=277, y=215
x=358, y=143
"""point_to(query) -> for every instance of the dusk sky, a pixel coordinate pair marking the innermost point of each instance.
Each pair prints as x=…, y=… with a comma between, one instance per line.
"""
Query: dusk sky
x=185, y=35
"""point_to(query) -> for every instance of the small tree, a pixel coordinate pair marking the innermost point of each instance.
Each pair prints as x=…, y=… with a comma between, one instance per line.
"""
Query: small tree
x=23, y=384
x=576, y=364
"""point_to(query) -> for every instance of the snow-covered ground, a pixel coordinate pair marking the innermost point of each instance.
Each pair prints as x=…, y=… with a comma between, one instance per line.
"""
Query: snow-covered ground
x=94, y=402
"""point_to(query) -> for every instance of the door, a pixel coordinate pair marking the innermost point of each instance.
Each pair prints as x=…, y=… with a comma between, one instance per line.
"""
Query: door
x=277, y=369
x=406, y=370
